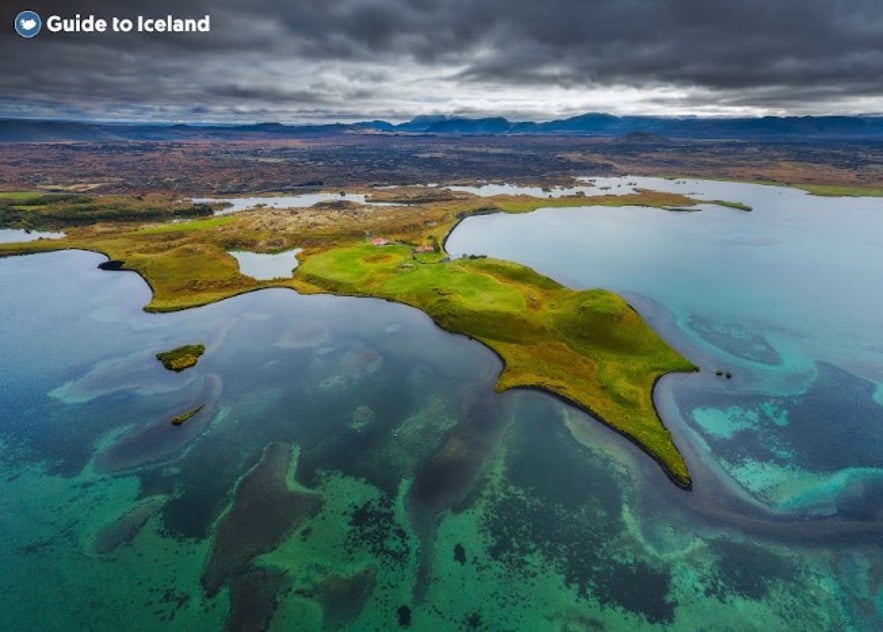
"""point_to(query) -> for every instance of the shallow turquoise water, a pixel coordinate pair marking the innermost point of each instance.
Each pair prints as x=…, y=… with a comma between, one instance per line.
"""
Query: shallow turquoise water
x=353, y=469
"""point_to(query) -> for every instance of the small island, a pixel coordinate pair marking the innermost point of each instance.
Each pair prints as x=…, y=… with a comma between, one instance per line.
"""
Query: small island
x=181, y=358
x=177, y=420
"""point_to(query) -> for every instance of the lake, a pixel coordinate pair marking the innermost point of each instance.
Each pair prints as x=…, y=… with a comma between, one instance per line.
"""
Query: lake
x=352, y=468
x=593, y=186
x=13, y=235
x=303, y=200
x=263, y=266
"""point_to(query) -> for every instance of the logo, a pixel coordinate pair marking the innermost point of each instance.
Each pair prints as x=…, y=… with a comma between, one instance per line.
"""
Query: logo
x=27, y=24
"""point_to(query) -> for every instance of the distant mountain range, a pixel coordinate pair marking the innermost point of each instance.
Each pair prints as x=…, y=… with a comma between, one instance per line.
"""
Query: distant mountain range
x=629, y=128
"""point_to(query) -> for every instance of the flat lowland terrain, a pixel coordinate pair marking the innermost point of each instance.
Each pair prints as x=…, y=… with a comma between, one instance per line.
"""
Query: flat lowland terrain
x=203, y=167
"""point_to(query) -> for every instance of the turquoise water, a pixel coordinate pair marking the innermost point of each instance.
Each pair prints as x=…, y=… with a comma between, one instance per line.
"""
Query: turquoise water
x=352, y=468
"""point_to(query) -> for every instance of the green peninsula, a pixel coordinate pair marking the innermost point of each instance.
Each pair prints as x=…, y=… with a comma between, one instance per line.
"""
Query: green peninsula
x=588, y=347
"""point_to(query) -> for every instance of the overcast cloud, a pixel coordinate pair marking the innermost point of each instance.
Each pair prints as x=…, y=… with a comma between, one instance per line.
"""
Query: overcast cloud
x=310, y=60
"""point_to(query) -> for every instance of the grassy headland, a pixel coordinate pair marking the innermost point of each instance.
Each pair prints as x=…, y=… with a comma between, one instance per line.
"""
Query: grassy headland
x=588, y=347
x=830, y=190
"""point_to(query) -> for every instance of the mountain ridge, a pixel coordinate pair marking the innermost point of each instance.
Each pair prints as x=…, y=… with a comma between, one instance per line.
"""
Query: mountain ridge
x=592, y=124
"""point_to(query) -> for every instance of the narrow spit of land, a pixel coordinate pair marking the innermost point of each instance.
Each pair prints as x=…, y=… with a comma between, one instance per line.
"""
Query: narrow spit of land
x=588, y=347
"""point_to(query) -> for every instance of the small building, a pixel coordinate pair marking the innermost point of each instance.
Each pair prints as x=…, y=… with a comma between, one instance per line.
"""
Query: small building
x=380, y=241
x=420, y=249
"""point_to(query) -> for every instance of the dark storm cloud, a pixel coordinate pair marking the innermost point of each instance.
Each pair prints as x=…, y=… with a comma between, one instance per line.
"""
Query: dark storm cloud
x=348, y=57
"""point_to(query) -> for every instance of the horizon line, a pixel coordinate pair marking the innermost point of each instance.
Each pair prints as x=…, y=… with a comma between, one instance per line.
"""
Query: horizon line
x=440, y=117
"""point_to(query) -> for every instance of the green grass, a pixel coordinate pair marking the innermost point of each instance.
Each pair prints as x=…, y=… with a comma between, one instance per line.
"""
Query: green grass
x=180, y=227
x=736, y=205
x=589, y=347
x=177, y=420
x=61, y=210
x=184, y=267
x=829, y=190
x=643, y=197
x=181, y=358
x=19, y=196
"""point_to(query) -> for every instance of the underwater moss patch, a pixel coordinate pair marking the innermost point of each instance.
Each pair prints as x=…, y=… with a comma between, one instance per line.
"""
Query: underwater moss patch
x=745, y=570
x=124, y=529
x=181, y=358
x=342, y=597
x=448, y=476
x=374, y=528
x=575, y=544
x=253, y=600
x=534, y=524
x=155, y=442
x=735, y=340
x=263, y=512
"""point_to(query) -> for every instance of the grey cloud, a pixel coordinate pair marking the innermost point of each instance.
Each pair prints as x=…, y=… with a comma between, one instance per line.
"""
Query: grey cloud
x=292, y=59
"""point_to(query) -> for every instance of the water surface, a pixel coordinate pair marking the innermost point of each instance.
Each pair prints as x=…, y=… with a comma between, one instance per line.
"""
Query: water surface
x=303, y=200
x=407, y=492
x=13, y=235
x=263, y=266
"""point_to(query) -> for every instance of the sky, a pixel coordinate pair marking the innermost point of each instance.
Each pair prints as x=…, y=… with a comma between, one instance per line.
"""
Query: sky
x=302, y=61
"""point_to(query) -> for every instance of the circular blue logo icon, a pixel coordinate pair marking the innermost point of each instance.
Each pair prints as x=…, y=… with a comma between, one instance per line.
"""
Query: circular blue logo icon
x=27, y=24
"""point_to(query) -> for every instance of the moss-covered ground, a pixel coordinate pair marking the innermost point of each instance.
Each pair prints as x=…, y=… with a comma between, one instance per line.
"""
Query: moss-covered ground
x=830, y=190
x=181, y=358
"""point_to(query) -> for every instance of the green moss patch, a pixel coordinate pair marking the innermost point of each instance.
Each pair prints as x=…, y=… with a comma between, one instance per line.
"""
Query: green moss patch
x=177, y=420
x=179, y=359
x=831, y=190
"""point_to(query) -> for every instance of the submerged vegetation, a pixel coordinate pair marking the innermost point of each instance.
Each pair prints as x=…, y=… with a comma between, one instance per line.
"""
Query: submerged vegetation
x=588, y=347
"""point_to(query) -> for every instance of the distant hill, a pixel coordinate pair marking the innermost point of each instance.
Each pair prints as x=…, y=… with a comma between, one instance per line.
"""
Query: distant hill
x=645, y=129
